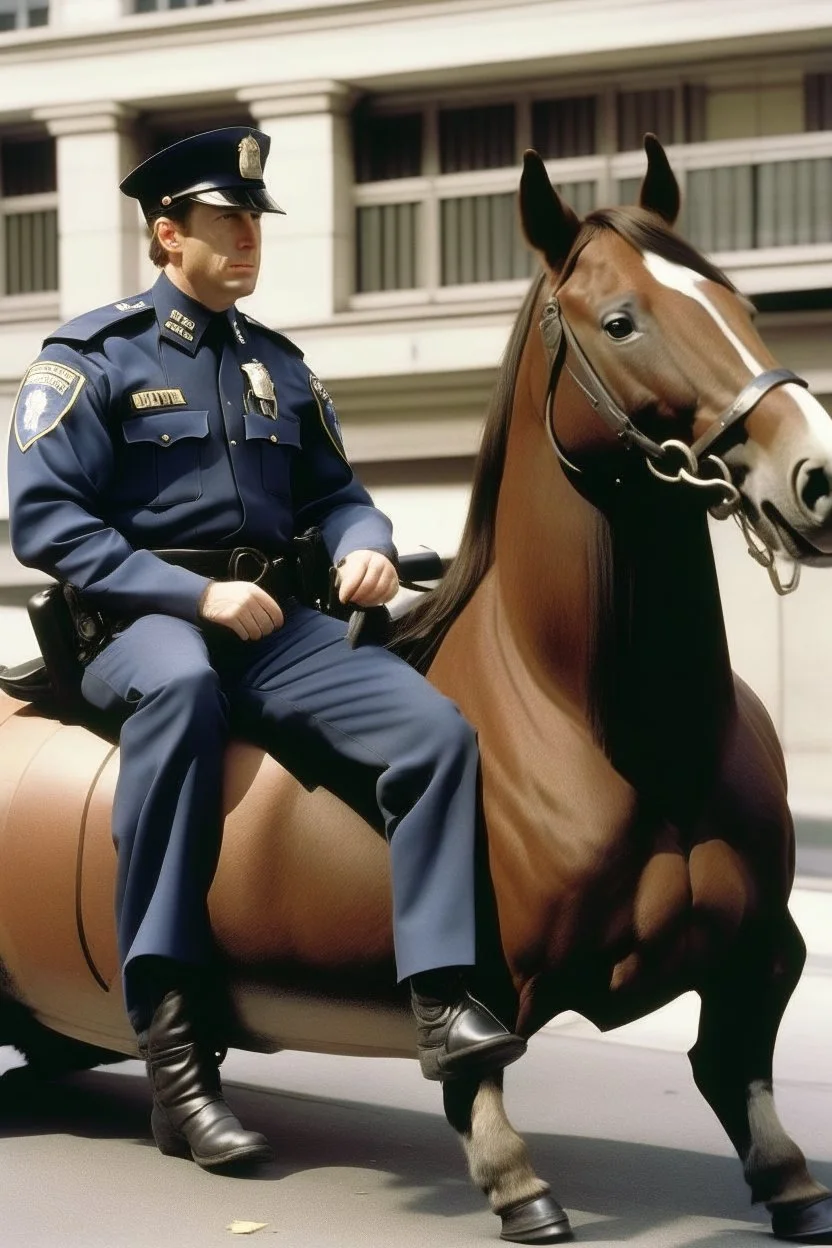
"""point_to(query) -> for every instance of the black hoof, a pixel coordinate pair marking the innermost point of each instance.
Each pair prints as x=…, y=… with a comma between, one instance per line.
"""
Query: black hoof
x=803, y=1221
x=540, y=1221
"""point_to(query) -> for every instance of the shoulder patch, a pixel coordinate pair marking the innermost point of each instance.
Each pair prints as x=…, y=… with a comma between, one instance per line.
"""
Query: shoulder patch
x=46, y=394
x=285, y=342
x=328, y=414
x=88, y=326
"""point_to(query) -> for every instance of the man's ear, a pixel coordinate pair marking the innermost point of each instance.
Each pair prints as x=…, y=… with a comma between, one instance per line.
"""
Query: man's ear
x=168, y=234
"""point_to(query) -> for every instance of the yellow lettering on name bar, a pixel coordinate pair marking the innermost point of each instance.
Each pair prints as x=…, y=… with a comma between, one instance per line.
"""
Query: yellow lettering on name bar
x=144, y=399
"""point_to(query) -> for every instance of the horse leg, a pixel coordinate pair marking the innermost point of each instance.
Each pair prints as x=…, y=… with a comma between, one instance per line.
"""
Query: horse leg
x=732, y=1066
x=499, y=1163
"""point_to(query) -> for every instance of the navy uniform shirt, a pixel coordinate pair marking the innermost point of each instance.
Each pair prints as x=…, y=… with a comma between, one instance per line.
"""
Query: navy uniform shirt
x=156, y=423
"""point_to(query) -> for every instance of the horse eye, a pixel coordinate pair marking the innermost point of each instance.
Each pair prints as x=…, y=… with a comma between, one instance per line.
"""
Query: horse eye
x=618, y=326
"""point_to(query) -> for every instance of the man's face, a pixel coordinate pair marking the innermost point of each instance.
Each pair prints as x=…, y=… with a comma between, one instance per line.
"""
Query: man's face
x=219, y=249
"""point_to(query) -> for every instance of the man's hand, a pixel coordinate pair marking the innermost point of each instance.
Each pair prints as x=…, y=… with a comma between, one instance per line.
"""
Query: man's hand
x=243, y=607
x=367, y=579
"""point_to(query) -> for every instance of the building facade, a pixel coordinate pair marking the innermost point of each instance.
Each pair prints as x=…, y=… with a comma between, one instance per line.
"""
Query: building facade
x=397, y=129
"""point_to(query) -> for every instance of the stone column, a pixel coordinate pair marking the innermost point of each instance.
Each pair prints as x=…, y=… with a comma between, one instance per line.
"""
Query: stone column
x=308, y=254
x=98, y=227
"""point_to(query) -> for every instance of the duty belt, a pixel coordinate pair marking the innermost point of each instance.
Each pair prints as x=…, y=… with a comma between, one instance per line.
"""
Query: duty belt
x=279, y=576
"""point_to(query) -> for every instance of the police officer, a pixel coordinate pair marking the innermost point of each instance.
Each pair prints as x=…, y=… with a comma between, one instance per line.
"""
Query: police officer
x=171, y=422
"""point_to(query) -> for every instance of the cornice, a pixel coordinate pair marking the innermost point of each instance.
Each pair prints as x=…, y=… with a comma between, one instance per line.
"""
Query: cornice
x=294, y=99
x=92, y=118
x=802, y=24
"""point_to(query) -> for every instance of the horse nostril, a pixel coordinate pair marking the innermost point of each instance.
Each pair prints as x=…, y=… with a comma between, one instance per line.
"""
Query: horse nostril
x=815, y=491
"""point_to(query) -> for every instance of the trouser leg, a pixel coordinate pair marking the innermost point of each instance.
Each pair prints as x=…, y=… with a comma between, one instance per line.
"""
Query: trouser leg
x=305, y=695
x=383, y=739
x=166, y=826
x=167, y=808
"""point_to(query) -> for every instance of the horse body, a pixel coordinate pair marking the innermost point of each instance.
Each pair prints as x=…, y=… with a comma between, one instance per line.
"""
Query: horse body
x=293, y=865
x=599, y=898
x=639, y=843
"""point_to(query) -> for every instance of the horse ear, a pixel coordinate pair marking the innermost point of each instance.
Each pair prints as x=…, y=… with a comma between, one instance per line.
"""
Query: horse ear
x=549, y=224
x=659, y=190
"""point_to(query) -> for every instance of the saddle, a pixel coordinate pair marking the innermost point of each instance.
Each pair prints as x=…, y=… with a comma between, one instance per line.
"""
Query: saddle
x=69, y=633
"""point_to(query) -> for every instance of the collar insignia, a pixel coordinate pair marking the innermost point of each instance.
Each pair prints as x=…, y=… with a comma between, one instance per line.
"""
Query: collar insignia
x=182, y=325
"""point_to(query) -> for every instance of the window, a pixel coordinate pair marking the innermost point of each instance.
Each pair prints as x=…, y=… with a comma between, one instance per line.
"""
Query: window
x=817, y=89
x=387, y=147
x=159, y=6
x=19, y=14
x=28, y=216
x=476, y=138
x=436, y=230
x=640, y=111
x=435, y=190
x=564, y=128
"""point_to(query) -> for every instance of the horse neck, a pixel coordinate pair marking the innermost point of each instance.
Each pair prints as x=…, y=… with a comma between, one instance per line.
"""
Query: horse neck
x=545, y=541
x=618, y=615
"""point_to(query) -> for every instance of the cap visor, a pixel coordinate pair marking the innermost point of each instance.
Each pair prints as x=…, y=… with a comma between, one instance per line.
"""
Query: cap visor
x=253, y=198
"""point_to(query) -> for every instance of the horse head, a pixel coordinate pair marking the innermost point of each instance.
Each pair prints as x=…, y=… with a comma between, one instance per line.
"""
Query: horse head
x=666, y=352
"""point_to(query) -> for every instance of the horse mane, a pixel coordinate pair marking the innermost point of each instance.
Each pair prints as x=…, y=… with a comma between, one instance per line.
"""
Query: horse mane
x=418, y=634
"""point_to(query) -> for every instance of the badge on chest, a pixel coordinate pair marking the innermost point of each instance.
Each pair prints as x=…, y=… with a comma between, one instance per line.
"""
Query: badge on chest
x=260, y=394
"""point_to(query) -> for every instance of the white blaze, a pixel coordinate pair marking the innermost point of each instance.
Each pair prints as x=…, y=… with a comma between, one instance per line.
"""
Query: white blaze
x=690, y=283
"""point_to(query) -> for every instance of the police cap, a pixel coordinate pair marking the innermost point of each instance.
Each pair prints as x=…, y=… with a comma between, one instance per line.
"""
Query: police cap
x=219, y=167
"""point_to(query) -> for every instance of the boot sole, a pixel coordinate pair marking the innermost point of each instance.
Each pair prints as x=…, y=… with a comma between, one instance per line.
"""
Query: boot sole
x=473, y=1062
x=239, y=1159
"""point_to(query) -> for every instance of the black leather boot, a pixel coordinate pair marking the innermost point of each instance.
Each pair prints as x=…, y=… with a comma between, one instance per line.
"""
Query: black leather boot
x=190, y=1117
x=456, y=1035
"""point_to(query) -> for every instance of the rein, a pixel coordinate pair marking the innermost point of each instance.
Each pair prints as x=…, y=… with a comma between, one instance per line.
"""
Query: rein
x=690, y=461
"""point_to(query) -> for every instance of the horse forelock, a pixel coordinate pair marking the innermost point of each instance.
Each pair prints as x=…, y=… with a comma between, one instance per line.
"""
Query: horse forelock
x=646, y=232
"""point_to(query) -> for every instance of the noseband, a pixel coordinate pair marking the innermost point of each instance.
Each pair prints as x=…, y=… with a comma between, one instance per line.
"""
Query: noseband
x=671, y=461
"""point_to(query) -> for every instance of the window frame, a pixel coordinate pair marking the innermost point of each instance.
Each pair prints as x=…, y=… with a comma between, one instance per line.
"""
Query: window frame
x=165, y=6
x=606, y=168
x=20, y=205
x=22, y=10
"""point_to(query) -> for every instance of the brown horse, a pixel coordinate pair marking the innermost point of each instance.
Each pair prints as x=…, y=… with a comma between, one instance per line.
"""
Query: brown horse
x=639, y=842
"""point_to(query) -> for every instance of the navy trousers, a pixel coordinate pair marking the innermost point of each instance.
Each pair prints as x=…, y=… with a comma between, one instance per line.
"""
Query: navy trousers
x=359, y=722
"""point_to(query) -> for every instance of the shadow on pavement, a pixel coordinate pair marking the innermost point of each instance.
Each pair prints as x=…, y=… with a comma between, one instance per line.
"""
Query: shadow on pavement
x=622, y=1190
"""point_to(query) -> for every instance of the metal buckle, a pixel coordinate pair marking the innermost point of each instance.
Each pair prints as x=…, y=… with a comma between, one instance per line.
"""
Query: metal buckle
x=236, y=564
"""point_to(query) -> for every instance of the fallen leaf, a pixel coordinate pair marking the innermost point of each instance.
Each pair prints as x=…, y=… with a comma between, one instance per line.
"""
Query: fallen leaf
x=245, y=1228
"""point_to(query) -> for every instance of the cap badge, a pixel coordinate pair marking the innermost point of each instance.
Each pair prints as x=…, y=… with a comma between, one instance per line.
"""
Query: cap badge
x=249, y=150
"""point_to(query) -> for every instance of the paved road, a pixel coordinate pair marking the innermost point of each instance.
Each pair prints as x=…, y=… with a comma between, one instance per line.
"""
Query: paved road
x=366, y=1159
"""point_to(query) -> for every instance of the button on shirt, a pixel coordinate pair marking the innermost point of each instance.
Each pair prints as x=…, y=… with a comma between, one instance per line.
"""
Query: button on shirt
x=157, y=423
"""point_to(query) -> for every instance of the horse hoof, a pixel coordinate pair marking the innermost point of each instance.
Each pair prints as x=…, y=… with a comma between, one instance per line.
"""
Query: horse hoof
x=803, y=1221
x=540, y=1221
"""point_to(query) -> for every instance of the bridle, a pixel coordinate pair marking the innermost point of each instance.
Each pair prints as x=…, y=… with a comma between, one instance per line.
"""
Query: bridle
x=671, y=461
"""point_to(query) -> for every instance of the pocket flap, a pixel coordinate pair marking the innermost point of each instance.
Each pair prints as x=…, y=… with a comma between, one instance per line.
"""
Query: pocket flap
x=165, y=428
x=285, y=431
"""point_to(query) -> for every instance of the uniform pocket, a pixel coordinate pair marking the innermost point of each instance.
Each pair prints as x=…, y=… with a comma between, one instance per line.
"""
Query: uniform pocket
x=279, y=442
x=162, y=463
